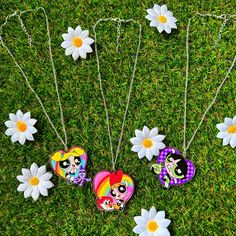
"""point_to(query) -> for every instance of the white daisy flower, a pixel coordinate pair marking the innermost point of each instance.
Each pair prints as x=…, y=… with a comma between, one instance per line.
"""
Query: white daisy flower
x=35, y=181
x=227, y=131
x=77, y=43
x=147, y=143
x=151, y=223
x=20, y=127
x=161, y=18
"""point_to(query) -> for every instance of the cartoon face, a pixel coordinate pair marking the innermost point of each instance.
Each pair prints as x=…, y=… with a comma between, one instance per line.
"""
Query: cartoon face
x=82, y=174
x=105, y=203
x=119, y=191
x=176, y=166
x=119, y=205
x=71, y=164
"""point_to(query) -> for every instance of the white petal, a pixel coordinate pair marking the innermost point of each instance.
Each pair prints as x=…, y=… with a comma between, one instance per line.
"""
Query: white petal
x=19, y=114
x=157, y=9
x=13, y=117
x=152, y=213
x=234, y=120
x=29, y=136
x=87, y=48
x=172, y=25
x=150, y=17
x=222, y=127
x=85, y=34
x=35, y=193
x=75, y=54
x=169, y=14
x=159, y=138
x=138, y=229
x=34, y=169
x=155, y=150
x=66, y=37
x=26, y=172
x=233, y=141
x=10, y=131
x=78, y=31
x=160, y=215
x=69, y=50
x=159, y=145
x=46, y=176
x=22, y=139
x=88, y=41
x=22, y=178
x=162, y=232
x=146, y=132
x=66, y=44
x=26, y=116
x=138, y=220
x=228, y=121
x=22, y=187
x=153, y=132
x=47, y=184
x=32, y=130
x=226, y=140
x=145, y=233
x=82, y=53
x=136, y=148
x=139, y=134
x=10, y=124
x=163, y=9
x=71, y=32
x=160, y=28
x=145, y=214
x=15, y=137
x=31, y=122
x=154, y=23
x=221, y=134
x=28, y=192
x=149, y=154
x=171, y=19
x=151, y=12
x=135, y=141
x=43, y=191
x=41, y=170
x=167, y=28
x=164, y=223
x=142, y=153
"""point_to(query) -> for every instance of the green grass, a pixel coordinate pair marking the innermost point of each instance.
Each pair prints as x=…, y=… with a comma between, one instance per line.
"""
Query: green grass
x=206, y=205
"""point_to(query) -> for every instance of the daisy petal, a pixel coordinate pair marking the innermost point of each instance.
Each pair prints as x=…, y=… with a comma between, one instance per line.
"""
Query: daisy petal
x=88, y=41
x=169, y=14
x=222, y=134
x=159, y=138
x=15, y=137
x=146, y=131
x=28, y=192
x=22, y=187
x=151, y=12
x=154, y=23
x=167, y=28
x=35, y=193
x=222, y=127
x=233, y=141
x=13, y=117
x=69, y=50
x=43, y=191
x=228, y=121
x=82, y=52
x=138, y=220
x=34, y=169
x=157, y=9
x=22, y=178
x=71, y=31
x=160, y=28
x=163, y=232
x=10, y=131
x=41, y=170
x=66, y=44
x=46, y=176
x=10, y=124
x=226, y=140
x=234, y=120
x=160, y=145
x=138, y=229
x=136, y=148
x=19, y=114
x=26, y=116
x=163, y=9
x=145, y=214
x=139, y=134
x=47, y=184
x=31, y=122
x=149, y=154
x=32, y=130
x=85, y=34
x=160, y=215
x=78, y=31
x=22, y=139
x=142, y=153
x=164, y=223
x=29, y=136
x=26, y=172
x=153, y=132
x=150, y=17
x=66, y=37
x=75, y=54
x=87, y=48
x=152, y=213
x=135, y=141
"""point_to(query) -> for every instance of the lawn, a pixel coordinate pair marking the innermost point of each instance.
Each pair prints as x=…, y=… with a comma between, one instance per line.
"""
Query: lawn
x=204, y=206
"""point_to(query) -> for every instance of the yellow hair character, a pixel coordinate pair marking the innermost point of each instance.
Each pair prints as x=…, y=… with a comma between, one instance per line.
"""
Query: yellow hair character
x=75, y=151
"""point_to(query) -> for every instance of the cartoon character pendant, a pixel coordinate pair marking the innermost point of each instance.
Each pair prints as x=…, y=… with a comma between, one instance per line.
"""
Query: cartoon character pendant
x=113, y=190
x=71, y=165
x=172, y=169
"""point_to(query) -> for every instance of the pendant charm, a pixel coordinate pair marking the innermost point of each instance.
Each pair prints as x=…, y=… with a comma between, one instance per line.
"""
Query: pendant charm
x=172, y=169
x=71, y=165
x=113, y=190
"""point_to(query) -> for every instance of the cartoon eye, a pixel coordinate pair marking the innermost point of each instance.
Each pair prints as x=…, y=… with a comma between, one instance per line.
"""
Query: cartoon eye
x=118, y=204
x=77, y=160
x=179, y=171
x=113, y=193
x=122, y=188
x=64, y=164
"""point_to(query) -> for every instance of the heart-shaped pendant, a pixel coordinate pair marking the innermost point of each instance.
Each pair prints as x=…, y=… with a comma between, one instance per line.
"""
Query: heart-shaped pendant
x=113, y=190
x=71, y=165
x=172, y=168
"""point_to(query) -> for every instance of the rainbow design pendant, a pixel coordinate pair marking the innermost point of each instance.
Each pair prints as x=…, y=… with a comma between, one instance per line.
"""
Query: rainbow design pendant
x=172, y=168
x=113, y=190
x=71, y=165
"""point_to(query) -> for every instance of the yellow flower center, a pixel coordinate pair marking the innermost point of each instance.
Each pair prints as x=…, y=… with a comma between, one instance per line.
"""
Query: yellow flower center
x=152, y=226
x=162, y=19
x=232, y=129
x=21, y=126
x=34, y=181
x=147, y=143
x=77, y=42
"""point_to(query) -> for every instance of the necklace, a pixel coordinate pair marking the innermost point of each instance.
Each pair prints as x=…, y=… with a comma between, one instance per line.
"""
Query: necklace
x=173, y=168
x=114, y=189
x=67, y=164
